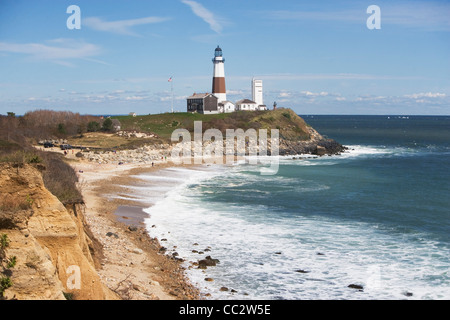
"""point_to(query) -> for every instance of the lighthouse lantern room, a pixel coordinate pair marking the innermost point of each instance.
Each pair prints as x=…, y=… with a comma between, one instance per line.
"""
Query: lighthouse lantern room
x=218, y=86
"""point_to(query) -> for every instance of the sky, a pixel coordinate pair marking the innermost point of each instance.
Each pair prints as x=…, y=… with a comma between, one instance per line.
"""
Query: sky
x=316, y=57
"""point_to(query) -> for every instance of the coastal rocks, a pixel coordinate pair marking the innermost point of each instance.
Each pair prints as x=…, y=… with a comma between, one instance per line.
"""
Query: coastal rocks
x=301, y=271
x=207, y=262
x=112, y=234
x=145, y=154
x=320, y=151
x=356, y=286
x=135, y=134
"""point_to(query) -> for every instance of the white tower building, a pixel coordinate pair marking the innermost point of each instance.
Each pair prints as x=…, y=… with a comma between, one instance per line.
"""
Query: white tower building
x=218, y=86
x=257, y=92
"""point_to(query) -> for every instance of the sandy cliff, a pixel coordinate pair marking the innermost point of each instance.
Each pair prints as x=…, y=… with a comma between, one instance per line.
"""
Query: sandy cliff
x=51, y=243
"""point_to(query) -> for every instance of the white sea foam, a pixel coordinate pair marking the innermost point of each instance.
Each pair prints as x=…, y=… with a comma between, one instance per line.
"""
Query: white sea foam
x=309, y=257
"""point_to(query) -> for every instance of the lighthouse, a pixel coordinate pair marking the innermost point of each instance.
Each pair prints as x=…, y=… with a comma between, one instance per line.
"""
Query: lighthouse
x=218, y=85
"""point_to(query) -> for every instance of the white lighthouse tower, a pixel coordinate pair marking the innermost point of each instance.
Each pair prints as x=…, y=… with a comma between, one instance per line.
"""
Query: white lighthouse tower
x=218, y=86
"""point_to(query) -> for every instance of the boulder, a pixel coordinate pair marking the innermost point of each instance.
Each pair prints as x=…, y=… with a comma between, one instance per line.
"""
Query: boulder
x=356, y=286
x=320, y=151
x=207, y=262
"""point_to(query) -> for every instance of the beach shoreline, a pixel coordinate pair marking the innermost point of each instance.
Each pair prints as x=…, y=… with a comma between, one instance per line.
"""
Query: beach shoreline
x=132, y=264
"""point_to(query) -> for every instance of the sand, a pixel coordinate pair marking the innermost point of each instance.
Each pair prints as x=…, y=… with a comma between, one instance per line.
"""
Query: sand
x=131, y=264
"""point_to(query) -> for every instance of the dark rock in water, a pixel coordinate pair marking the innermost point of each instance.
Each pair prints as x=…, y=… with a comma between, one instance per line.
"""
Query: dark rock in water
x=320, y=254
x=301, y=271
x=408, y=294
x=278, y=252
x=207, y=262
x=209, y=279
x=233, y=291
x=163, y=239
x=223, y=289
x=162, y=249
x=356, y=286
x=175, y=254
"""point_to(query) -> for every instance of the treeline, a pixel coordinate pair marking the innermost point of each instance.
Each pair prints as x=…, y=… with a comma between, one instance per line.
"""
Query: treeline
x=46, y=124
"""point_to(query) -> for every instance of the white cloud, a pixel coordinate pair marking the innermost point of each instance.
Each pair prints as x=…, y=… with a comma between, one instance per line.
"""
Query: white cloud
x=335, y=76
x=352, y=15
x=426, y=95
x=59, y=50
x=236, y=92
x=426, y=15
x=120, y=26
x=310, y=96
x=215, y=23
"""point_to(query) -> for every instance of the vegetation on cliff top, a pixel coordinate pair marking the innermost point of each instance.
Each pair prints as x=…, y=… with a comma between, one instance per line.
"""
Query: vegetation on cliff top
x=17, y=135
x=291, y=126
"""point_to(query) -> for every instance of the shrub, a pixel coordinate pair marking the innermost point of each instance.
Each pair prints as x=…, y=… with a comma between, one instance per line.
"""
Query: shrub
x=61, y=179
x=107, y=125
x=287, y=115
x=14, y=203
x=93, y=126
x=68, y=295
x=4, y=241
x=62, y=128
x=11, y=263
x=21, y=157
x=5, y=283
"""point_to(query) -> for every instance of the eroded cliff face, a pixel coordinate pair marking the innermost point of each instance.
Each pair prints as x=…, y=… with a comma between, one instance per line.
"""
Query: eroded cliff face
x=52, y=246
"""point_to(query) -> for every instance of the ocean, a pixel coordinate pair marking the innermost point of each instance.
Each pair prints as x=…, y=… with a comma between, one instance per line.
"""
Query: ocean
x=371, y=223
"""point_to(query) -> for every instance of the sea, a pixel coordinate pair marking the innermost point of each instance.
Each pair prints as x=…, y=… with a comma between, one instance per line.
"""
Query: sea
x=370, y=223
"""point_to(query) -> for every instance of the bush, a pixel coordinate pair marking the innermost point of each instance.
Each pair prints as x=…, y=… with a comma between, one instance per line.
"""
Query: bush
x=4, y=241
x=93, y=126
x=61, y=179
x=107, y=125
x=13, y=203
x=62, y=129
x=11, y=263
x=21, y=157
x=5, y=283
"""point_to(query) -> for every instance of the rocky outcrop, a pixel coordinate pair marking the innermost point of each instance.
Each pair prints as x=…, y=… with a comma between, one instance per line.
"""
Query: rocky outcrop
x=55, y=254
x=317, y=145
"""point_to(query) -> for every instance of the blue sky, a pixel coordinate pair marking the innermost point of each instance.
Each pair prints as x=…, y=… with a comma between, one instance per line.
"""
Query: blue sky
x=316, y=57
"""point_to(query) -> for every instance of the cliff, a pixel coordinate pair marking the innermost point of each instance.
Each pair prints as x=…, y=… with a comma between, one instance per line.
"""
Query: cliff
x=55, y=255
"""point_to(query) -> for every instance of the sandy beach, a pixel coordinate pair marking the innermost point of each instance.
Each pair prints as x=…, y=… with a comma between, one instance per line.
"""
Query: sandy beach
x=132, y=264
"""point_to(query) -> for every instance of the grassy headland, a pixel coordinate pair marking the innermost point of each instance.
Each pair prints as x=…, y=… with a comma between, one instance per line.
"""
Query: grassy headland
x=291, y=126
